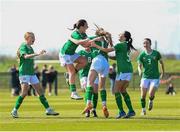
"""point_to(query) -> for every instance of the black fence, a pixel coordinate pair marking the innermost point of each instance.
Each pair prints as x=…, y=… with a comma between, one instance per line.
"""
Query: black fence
x=134, y=84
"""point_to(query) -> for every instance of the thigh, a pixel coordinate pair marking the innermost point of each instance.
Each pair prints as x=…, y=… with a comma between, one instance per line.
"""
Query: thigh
x=91, y=77
x=143, y=92
x=70, y=68
x=24, y=89
x=38, y=88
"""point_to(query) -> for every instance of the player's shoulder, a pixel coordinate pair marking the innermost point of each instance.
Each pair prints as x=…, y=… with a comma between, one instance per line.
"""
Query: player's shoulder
x=23, y=45
x=155, y=51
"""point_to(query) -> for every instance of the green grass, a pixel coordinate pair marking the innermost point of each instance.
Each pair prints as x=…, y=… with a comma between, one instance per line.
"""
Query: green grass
x=164, y=116
x=170, y=65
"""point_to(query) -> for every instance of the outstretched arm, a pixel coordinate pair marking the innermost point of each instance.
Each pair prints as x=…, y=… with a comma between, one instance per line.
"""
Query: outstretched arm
x=101, y=48
x=27, y=56
x=84, y=42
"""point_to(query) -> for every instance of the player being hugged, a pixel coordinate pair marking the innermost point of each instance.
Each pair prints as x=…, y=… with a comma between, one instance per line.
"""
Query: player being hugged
x=99, y=69
x=27, y=76
x=124, y=72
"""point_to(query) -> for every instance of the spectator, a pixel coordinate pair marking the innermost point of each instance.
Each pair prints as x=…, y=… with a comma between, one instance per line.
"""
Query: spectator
x=51, y=77
x=44, y=77
x=112, y=77
x=170, y=89
x=15, y=85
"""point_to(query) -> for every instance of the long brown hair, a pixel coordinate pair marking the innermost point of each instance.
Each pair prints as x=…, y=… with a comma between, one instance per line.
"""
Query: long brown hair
x=106, y=35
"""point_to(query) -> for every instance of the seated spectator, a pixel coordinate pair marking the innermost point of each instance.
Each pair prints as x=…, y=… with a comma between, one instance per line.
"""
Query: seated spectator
x=170, y=89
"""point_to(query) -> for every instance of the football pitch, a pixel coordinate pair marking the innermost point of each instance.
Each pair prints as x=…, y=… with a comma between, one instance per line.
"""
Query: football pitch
x=165, y=115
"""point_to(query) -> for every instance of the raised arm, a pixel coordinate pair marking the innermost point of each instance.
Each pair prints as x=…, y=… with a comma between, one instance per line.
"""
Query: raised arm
x=101, y=48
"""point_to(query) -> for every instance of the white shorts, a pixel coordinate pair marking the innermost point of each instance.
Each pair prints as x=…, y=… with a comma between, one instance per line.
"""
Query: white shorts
x=100, y=65
x=147, y=83
x=84, y=80
x=124, y=76
x=67, y=59
x=29, y=79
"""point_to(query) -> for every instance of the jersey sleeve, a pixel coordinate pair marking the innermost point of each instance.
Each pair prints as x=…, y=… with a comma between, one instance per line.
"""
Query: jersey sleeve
x=23, y=50
x=139, y=58
x=76, y=35
x=117, y=47
x=158, y=56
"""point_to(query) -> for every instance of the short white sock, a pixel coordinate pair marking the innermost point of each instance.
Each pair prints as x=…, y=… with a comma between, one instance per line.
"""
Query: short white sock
x=104, y=103
x=88, y=102
x=14, y=109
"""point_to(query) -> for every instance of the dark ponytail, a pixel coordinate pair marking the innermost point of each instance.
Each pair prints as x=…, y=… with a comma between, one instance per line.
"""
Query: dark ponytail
x=129, y=41
x=80, y=23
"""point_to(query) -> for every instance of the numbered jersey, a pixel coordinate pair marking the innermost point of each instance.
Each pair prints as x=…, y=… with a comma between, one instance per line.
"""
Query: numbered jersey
x=123, y=58
x=84, y=72
x=150, y=64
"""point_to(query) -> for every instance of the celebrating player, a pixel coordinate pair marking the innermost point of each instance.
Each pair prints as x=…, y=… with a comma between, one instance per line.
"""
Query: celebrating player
x=27, y=76
x=124, y=72
x=148, y=60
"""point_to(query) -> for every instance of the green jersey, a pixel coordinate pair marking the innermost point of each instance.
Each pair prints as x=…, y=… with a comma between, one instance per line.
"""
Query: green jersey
x=84, y=72
x=123, y=58
x=26, y=66
x=95, y=51
x=150, y=64
x=70, y=47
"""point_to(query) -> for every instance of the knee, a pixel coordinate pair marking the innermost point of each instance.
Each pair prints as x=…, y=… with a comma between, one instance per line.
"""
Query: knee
x=122, y=90
x=72, y=74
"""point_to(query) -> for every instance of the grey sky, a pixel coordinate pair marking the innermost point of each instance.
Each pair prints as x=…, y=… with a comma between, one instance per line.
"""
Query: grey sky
x=49, y=20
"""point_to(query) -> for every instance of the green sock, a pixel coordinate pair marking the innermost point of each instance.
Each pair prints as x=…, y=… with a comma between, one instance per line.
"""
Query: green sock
x=143, y=103
x=72, y=87
x=119, y=101
x=103, y=95
x=94, y=100
x=19, y=102
x=151, y=98
x=89, y=90
x=43, y=100
x=127, y=101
